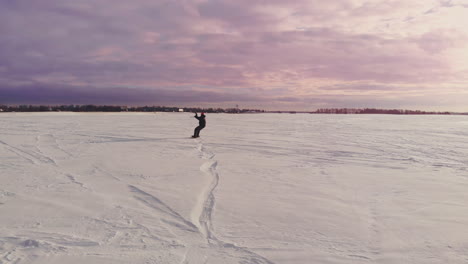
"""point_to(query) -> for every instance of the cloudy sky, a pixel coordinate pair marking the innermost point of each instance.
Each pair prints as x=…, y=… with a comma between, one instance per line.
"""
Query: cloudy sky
x=269, y=54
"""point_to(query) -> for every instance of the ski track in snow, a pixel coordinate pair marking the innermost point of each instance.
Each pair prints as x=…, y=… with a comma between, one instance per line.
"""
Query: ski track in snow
x=197, y=235
x=46, y=154
x=175, y=218
x=22, y=249
x=202, y=212
x=205, y=207
x=33, y=157
x=48, y=144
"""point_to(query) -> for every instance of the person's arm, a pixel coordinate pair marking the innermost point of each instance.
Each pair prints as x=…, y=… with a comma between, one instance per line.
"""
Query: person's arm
x=196, y=116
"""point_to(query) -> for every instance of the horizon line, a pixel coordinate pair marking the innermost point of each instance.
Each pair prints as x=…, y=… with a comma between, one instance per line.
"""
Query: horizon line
x=354, y=110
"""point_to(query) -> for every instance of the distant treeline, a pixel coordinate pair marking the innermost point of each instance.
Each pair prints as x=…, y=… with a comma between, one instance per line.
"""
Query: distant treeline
x=370, y=111
x=378, y=111
x=112, y=108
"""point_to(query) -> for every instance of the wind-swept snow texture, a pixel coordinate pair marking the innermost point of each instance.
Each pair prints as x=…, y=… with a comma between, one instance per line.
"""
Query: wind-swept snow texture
x=261, y=188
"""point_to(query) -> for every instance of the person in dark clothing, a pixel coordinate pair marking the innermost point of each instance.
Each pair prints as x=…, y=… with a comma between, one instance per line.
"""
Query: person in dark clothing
x=201, y=124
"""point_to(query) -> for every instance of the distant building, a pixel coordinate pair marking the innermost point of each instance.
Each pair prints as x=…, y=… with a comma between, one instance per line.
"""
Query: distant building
x=181, y=110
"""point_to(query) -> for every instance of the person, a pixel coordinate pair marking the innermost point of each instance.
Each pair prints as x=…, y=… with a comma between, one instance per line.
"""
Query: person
x=201, y=124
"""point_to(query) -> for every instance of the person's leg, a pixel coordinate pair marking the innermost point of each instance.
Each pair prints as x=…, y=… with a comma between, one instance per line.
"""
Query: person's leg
x=196, y=133
x=200, y=128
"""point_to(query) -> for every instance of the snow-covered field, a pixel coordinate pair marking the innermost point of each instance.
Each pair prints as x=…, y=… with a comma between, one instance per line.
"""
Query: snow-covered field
x=257, y=188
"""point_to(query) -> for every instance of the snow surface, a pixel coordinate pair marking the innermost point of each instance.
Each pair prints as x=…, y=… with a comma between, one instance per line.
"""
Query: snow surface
x=255, y=188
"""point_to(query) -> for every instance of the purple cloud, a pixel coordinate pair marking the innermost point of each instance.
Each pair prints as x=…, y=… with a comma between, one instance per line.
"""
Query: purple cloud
x=228, y=47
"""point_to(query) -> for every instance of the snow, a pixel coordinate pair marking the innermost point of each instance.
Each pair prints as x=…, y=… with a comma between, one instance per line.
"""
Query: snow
x=255, y=188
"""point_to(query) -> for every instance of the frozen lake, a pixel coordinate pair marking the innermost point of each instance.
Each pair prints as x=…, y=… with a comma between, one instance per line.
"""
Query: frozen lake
x=255, y=188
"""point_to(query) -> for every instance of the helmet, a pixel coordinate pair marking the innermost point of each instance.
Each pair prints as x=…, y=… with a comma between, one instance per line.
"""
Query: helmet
x=203, y=113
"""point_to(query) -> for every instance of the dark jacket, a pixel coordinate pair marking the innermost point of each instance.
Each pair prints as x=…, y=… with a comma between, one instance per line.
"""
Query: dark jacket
x=201, y=120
